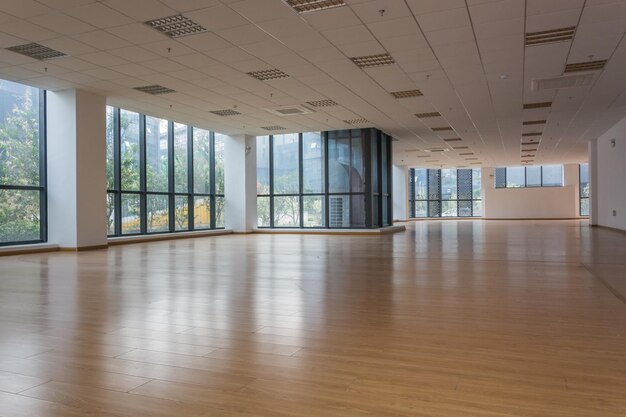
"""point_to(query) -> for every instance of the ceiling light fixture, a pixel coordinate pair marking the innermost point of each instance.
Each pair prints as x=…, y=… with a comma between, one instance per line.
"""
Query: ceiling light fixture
x=586, y=66
x=322, y=103
x=549, y=36
x=268, y=74
x=428, y=114
x=273, y=128
x=369, y=61
x=406, y=94
x=154, y=89
x=358, y=121
x=176, y=26
x=305, y=6
x=226, y=112
x=36, y=51
x=538, y=105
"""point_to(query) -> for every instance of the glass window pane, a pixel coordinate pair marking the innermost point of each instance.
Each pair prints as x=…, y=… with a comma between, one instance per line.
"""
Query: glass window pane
x=465, y=184
x=552, y=175
x=286, y=165
x=357, y=211
x=157, y=175
x=421, y=209
x=434, y=209
x=584, y=180
x=449, y=209
x=533, y=176
x=312, y=163
x=500, y=177
x=478, y=208
x=464, y=208
x=19, y=216
x=129, y=148
x=263, y=165
x=287, y=211
x=219, y=212
x=130, y=214
x=515, y=177
x=181, y=212
x=314, y=213
x=339, y=211
x=448, y=184
x=201, y=213
x=357, y=173
x=219, y=163
x=263, y=211
x=584, y=206
x=110, y=128
x=201, y=161
x=19, y=134
x=110, y=214
x=421, y=184
x=477, y=187
x=181, y=181
x=158, y=219
x=339, y=161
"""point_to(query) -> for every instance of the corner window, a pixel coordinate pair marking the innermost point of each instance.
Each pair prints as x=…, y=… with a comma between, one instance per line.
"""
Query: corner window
x=529, y=177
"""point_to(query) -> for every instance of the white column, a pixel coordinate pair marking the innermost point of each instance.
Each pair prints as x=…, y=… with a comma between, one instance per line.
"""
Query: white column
x=76, y=169
x=488, y=185
x=571, y=178
x=400, y=192
x=240, y=183
x=594, y=192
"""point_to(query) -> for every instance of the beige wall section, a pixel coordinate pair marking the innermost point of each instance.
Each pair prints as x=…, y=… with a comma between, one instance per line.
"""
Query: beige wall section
x=609, y=187
x=531, y=203
x=76, y=169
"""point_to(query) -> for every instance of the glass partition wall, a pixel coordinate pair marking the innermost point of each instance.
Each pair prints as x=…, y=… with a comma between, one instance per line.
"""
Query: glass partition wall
x=162, y=176
x=337, y=179
x=22, y=164
x=445, y=193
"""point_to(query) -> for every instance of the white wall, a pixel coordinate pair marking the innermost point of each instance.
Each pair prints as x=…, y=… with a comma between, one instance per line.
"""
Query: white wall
x=531, y=203
x=240, y=183
x=609, y=187
x=76, y=169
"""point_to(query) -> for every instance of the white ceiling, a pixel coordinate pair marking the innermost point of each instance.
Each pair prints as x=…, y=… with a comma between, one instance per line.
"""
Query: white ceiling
x=466, y=56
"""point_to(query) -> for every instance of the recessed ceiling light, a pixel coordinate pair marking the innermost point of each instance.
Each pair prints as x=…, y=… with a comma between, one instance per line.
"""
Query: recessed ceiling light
x=407, y=94
x=359, y=121
x=36, y=51
x=460, y=147
x=305, y=6
x=428, y=114
x=549, y=36
x=273, y=128
x=533, y=122
x=268, y=74
x=369, y=61
x=453, y=140
x=466, y=153
x=530, y=143
x=154, y=89
x=226, y=112
x=538, y=105
x=532, y=134
x=322, y=103
x=441, y=129
x=586, y=66
x=176, y=26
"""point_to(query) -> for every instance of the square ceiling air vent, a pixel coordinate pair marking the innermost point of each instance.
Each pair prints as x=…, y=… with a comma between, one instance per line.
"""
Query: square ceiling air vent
x=268, y=74
x=373, y=60
x=322, y=103
x=533, y=122
x=176, y=26
x=564, y=81
x=407, y=94
x=586, y=66
x=538, y=105
x=359, y=121
x=442, y=129
x=305, y=6
x=290, y=110
x=155, y=89
x=273, y=128
x=428, y=114
x=225, y=112
x=36, y=51
x=550, y=36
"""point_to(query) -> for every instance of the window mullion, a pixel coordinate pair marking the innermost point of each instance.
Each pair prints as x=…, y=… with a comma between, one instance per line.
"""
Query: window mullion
x=143, y=213
x=190, y=180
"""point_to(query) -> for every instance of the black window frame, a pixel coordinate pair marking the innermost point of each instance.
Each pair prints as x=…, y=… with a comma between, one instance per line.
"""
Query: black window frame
x=43, y=181
x=171, y=193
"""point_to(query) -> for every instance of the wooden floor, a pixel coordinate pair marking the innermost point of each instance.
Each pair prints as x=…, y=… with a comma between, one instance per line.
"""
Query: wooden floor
x=452, y=318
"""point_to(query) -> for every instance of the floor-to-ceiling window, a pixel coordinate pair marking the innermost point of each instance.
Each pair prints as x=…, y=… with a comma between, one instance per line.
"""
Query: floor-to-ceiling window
x=584, y=189
x=22, y=164
x=319, y=179
x=445, y=193
x=162, y=176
